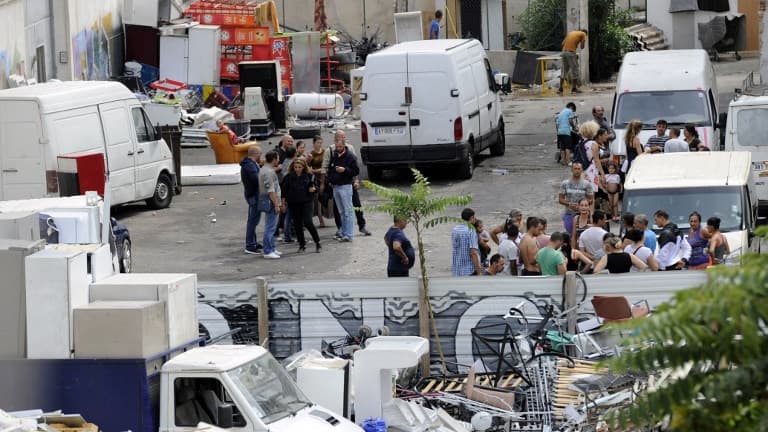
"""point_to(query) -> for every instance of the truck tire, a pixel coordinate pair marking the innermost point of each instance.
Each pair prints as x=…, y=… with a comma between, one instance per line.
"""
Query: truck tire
x=374, y=172
x=499, y=147
x=467, y=167
x=163, y=193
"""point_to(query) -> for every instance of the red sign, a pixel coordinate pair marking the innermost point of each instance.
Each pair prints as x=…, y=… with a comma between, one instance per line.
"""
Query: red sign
x=224, y=19
x=251, y=36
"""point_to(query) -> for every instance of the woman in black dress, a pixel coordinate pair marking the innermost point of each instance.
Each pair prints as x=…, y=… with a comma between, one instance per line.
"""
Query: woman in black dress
x=615, y=259
x=298, y=189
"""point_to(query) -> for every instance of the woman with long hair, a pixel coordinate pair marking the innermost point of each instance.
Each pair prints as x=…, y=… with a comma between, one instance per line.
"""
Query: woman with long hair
x=315, y=161
x=698, y=238
x=298, y=190
x=632, y=141
x=638, y=249
x=581, y=221
x=692, y=138
x=594, y=171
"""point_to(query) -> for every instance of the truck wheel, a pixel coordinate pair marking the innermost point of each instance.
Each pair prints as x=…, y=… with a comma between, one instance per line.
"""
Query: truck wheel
x=499, y=147
x=467, y=167
x=163, y=193
x=374, y=172
x=126, y=257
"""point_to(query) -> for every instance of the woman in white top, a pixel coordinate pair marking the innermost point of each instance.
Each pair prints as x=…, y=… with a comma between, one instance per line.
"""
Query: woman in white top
x=594, y=171
x=636, y=248
x=509, y=250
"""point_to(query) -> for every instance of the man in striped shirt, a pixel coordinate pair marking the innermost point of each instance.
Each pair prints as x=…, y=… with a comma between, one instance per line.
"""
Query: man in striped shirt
x=656, y=143
x=465, y=257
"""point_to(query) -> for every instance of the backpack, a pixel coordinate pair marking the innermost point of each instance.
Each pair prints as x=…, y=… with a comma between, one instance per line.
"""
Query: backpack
x=580, y=153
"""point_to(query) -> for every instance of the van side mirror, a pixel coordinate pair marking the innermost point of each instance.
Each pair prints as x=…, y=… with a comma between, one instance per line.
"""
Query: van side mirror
x=225, y=414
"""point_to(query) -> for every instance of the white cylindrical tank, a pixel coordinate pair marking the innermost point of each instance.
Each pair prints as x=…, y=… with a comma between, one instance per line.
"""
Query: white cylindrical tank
x=315, y=105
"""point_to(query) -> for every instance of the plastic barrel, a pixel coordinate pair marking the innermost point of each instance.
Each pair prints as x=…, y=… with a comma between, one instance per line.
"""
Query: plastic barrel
x=375, y=425
x=309, y=105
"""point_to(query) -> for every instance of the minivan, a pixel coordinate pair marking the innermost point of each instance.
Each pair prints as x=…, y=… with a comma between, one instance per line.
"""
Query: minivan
x=429, y=102
x=678, y=86
x=711, y=183
x=41, y=122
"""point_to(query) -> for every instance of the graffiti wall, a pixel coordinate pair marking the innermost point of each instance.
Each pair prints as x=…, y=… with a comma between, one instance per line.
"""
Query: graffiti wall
x=90, y=50
x=12, y=43
x=302, y=314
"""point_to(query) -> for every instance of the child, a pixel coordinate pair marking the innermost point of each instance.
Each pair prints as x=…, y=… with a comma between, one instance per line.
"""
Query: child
x=612, y=185
x=482, y=239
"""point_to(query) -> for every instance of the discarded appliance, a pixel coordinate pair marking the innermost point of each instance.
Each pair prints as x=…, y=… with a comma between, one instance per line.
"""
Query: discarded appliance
x=265, y=74
x=315, y=105
x=255, y=111
x=372, y=376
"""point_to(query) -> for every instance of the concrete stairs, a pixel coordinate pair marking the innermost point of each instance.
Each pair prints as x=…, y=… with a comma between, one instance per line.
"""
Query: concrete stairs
x=647, y=37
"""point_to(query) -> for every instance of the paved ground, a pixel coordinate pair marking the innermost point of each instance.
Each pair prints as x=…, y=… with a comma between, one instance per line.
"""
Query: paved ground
x=183, y=238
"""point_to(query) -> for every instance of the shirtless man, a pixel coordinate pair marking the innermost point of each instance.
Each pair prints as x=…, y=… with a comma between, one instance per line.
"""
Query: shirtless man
x=529, y=248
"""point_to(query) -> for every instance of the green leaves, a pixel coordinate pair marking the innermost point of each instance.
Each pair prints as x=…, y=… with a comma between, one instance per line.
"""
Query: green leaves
x=718, y=332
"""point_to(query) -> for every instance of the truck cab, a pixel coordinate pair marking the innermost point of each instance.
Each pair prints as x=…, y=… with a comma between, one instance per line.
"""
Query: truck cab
x=238, y=388
x=746, y=130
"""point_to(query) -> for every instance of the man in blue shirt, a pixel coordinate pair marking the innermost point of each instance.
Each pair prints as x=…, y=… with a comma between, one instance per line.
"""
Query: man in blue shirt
x=434, y=28
x=464, y=250
x=641, y=223
x=401, y=253
x=565, y=122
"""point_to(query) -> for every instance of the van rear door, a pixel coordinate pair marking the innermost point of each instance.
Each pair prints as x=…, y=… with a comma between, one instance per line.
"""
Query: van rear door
x=748, y=130
x=385, y=109
x=22, y=167
x=121, y=151
x=432, y=110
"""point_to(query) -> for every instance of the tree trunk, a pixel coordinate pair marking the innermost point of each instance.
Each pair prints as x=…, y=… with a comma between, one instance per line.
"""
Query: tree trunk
x=426, y=300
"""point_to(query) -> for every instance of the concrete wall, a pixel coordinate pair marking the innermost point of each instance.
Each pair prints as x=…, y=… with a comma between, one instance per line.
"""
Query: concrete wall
x=38, y=33
x=95, y=38
x=12, y=41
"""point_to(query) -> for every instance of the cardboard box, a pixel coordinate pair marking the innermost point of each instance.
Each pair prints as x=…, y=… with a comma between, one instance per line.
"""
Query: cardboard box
x=120, y=329
x=178, y=291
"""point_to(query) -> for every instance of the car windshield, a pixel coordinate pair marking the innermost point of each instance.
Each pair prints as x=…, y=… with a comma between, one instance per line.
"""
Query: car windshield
x=268, y=389
x=676, y=107
x=723, y=202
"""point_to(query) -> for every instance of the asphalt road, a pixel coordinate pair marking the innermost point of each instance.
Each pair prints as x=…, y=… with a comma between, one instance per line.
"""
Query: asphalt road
x=184, y=238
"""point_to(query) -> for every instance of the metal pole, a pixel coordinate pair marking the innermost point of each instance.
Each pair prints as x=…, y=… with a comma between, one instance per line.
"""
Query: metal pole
x=364, y=23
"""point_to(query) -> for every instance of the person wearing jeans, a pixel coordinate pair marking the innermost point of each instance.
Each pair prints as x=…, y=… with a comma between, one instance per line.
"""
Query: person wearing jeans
x=270, y=203
x=342, y=170
x=249, y=174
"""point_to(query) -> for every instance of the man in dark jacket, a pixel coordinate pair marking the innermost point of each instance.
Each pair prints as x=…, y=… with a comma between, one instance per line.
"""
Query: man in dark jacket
x=342, y=170
x=249, y=174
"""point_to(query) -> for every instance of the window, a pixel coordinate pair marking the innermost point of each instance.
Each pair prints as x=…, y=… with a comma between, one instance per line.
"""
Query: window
x=491, y=79
x=751, y=127
x=676, y=107
x=199, y=400
x=144, y=130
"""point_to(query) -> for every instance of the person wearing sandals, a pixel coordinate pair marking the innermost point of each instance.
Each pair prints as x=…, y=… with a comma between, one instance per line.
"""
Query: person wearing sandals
x=298, y=190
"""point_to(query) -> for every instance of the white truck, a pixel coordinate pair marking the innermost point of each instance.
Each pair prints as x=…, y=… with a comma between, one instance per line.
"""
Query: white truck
x=41, y=122
x=746, y=129
x=234, y=387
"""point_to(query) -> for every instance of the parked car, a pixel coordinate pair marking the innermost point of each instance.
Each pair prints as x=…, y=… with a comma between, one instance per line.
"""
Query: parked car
x=122, y=239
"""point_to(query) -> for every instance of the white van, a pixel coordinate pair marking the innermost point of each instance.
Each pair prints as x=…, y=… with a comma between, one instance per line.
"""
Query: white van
x=711, y=183
x=41, y=122
x=427, y=102
x=678, y=86
x=747, y=130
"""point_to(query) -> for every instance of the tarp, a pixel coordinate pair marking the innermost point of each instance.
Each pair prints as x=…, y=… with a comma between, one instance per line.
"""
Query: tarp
x=724, y=33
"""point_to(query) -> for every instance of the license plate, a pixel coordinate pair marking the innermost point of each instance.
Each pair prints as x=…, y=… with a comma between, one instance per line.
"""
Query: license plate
x=388, y=130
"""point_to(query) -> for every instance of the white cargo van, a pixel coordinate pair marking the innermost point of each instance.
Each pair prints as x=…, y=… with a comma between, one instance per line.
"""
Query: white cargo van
x=712, y=183
x=429, y=102
x=41, y=122
x=678, y=86
x=747, y=130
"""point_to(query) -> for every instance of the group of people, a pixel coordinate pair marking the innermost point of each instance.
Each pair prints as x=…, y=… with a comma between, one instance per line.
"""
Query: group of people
x=588, y=248
x=291, y=186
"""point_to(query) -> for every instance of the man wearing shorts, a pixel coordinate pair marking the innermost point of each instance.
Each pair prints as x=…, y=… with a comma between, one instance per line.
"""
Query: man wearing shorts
x=573, y=40
x=565, y=122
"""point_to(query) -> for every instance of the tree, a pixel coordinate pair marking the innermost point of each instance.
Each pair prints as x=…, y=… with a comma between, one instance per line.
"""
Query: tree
x=422, y=211
x=717, y=332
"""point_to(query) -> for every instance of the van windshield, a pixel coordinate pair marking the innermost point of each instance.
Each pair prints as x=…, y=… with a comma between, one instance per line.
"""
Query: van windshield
x=725, y=202
x=676, y=107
